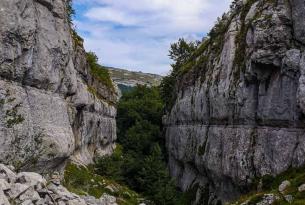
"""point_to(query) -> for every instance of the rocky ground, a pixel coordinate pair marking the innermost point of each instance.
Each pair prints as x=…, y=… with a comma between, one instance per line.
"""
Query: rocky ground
x=29, y=188
x=281, y=197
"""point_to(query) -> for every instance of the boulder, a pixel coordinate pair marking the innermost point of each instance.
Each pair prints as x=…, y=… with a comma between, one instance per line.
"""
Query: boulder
x=31, y=179
x=284, y=185
x=4, y=185
x=17, y=189
x=3, y=199
x=31, y=188
x=301, y=188
x=108, y=200
x=7, y=174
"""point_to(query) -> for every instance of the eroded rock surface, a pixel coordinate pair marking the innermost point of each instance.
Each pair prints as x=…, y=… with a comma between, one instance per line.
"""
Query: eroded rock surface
x=47, y=112
x=239, y=112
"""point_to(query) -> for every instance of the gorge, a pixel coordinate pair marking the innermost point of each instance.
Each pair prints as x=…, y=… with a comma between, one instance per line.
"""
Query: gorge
x=233, y=114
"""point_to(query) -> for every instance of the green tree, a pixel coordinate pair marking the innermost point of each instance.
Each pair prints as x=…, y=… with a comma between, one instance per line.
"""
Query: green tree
x=70, y=12
x=142, y=164
x=155, y=180
x=180, y=52
x=142, y=103
x=111, y=166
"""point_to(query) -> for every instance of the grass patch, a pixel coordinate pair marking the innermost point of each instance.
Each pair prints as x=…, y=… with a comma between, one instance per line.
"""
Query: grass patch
x=78, y=41
x=270, y=185
x=84, y=181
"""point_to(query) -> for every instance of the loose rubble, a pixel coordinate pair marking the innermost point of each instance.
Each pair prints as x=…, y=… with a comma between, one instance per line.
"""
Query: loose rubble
x=29, y=188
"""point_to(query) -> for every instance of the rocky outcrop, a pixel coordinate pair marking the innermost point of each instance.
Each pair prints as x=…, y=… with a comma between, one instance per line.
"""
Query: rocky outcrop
x=239, y=112
x=48, y=111
x=30, y=188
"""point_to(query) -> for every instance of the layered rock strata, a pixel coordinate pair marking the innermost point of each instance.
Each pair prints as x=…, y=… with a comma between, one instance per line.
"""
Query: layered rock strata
x=239, y=111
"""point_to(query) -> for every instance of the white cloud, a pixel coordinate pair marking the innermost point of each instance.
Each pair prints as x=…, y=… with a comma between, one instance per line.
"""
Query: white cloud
x=108, y=14
x=136, y=34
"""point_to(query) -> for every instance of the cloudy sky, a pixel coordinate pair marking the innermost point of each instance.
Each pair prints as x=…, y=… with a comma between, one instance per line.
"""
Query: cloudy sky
x=136, y=34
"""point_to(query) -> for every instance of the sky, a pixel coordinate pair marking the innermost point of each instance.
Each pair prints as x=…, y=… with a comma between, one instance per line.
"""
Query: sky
x=136, y=34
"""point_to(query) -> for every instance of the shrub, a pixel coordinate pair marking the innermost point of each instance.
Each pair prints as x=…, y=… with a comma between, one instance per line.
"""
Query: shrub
x=70, y=12
x=99, y=72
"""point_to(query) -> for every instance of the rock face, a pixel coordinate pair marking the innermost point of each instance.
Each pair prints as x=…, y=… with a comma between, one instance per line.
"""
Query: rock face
x=47, y=113
x=239, y=111
x=29, y=188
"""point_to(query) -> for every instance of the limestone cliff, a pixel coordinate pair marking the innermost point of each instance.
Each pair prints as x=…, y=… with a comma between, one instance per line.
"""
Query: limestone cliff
x=240, y=105
x=51, y=107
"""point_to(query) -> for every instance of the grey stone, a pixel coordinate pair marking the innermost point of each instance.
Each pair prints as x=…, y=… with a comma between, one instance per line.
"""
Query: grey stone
x=301, y=188
x=298, y=16
x=284, y=185
x=29, y=189
x=289, y=198
x=108, y=200
x=7, y=174
x=17, y=189
x=55, y=178
x=3, y=199
x=268, y=199
x=30, y=194
x=27, y=202
x=31, y=179
x=4, y=185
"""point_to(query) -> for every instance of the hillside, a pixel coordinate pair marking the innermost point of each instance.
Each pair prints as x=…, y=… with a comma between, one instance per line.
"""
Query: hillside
x=126, y=79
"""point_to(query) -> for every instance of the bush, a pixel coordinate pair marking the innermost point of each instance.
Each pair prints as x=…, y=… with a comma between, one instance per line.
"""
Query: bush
x=70, y=11
x=111, y=166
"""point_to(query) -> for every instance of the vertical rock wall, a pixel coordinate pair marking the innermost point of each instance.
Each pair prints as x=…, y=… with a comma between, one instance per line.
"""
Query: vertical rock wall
x=47, y=113
x=239, y=112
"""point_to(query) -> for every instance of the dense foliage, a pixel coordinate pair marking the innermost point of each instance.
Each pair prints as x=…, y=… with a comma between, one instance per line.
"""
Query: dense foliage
x=139, y=160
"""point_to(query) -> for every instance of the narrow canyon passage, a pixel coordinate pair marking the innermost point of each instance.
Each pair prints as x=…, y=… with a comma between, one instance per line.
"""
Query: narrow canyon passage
x=213, y=115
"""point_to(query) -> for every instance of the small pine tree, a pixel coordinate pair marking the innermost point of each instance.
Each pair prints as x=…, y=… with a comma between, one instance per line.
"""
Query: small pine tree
x=70, y=12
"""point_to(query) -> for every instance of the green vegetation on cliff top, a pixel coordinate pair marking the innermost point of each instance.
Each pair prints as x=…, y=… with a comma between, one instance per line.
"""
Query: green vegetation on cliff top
x=99, y=72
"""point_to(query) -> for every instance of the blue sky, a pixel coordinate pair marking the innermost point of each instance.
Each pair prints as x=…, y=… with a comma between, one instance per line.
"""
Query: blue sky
x=136, y=34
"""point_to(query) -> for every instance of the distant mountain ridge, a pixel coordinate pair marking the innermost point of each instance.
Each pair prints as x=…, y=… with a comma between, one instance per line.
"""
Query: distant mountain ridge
x=132, y=78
